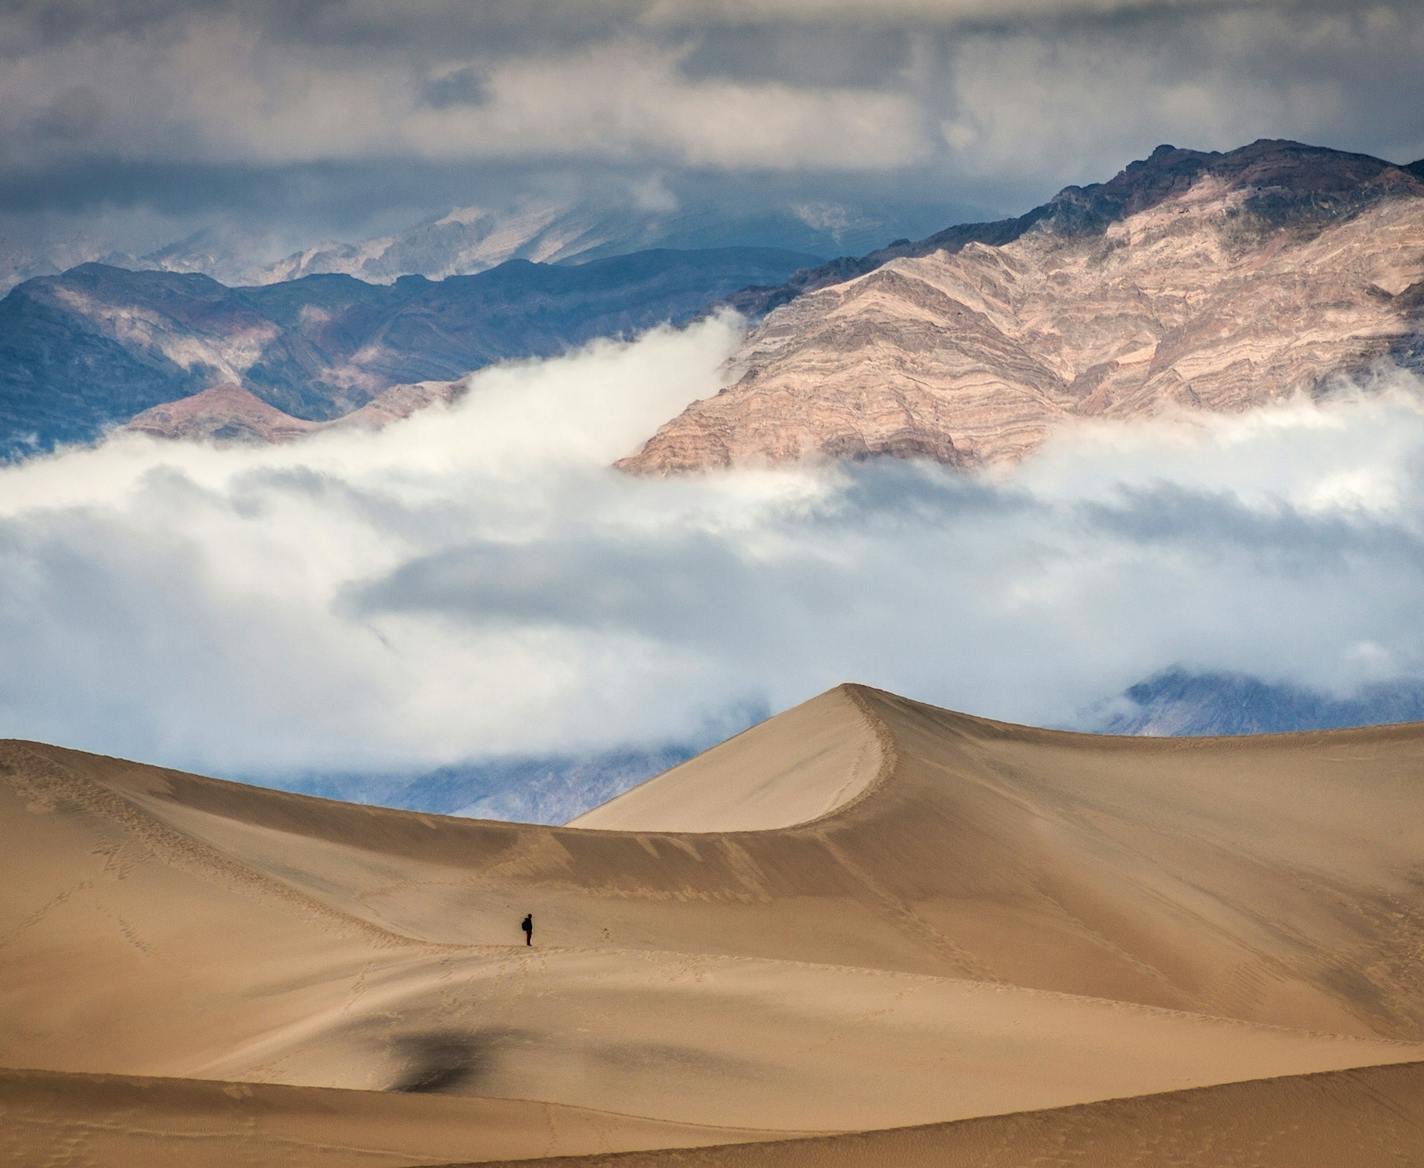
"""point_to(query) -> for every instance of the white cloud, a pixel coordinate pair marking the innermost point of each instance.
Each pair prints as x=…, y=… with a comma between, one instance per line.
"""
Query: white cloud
x=836, y=218
x=476, y=580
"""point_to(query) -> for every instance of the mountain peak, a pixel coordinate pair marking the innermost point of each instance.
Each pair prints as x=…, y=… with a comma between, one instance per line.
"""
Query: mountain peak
x=1287, y=178
x=1288, y=183
x=1182, y=281
x=227, y=412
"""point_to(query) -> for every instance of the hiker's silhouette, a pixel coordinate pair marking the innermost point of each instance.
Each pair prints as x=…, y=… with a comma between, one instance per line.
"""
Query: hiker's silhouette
x=527, y=924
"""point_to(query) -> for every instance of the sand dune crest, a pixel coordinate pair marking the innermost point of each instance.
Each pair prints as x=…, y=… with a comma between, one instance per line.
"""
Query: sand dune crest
x=889, y=915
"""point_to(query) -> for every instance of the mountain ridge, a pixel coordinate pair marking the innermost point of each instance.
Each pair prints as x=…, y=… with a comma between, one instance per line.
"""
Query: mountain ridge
x=464, y=239
x=96, y=346
x=472, y=239
x=1093, y=203
x=1190, y=280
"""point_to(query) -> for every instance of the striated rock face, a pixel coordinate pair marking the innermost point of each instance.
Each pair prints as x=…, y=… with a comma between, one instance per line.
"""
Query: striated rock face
x=400, y=401
x=223, y=413
x=1207, y=281
x=230, y=413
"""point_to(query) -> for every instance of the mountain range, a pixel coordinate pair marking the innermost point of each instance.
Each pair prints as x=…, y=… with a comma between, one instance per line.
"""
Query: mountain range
x=1191, y=280
x=98, y=345
x=524, y=789
x=468, y=239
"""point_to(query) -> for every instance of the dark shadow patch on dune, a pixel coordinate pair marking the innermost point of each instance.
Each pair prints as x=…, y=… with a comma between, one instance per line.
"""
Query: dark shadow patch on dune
x=441, y=1061
x=1365, y=999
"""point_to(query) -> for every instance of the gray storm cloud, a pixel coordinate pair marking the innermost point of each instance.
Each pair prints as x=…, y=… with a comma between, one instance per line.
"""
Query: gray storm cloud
x=477, y=580
x=295, y=113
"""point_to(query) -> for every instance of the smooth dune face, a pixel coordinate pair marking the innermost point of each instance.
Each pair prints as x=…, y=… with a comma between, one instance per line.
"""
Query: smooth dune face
x=1374, y=1115
x=891, y=915
x=798, y=767
x=76, y=1119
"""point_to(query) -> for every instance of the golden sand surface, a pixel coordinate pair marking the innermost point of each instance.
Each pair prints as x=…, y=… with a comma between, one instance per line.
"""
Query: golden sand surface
x=866, y=931
x=1335, y=1118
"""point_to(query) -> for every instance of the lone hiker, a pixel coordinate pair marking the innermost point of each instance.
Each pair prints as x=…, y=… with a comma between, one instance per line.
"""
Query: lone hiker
x=527, y=924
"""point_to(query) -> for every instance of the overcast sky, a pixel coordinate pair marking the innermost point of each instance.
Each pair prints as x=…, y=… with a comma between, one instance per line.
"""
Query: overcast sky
x=339, y=117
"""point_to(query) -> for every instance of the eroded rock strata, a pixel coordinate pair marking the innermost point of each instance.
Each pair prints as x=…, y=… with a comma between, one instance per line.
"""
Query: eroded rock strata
x=1198, y=280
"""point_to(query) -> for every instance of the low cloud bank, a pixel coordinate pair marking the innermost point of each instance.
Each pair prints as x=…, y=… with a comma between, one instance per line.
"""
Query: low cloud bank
x=475, y=581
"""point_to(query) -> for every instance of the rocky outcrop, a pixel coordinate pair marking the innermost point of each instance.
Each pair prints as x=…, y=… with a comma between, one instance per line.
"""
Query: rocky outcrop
x=229, y=413
x=224, y=413
x=1204, y=281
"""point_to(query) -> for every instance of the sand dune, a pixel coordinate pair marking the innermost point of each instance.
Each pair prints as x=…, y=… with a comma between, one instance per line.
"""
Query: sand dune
x=1373, y=1115
x=811, y=761
x=64, y=1120
x=866, y=913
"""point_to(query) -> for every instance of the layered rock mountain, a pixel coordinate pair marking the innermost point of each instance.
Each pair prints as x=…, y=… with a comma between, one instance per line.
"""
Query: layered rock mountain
x=230, y=413
x=98, y=345
x=1198, y=280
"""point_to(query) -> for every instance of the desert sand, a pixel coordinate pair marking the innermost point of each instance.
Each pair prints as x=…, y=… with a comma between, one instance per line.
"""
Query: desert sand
x=866, y=931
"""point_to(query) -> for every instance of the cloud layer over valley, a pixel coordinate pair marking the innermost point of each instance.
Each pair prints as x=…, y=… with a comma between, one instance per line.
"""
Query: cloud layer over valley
x=476, y=581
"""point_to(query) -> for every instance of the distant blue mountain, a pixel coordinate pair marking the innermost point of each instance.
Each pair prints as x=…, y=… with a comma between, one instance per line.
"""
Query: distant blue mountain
x=90, y=349
x=542, y=789
x=1178, y=702
x=558, y=787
